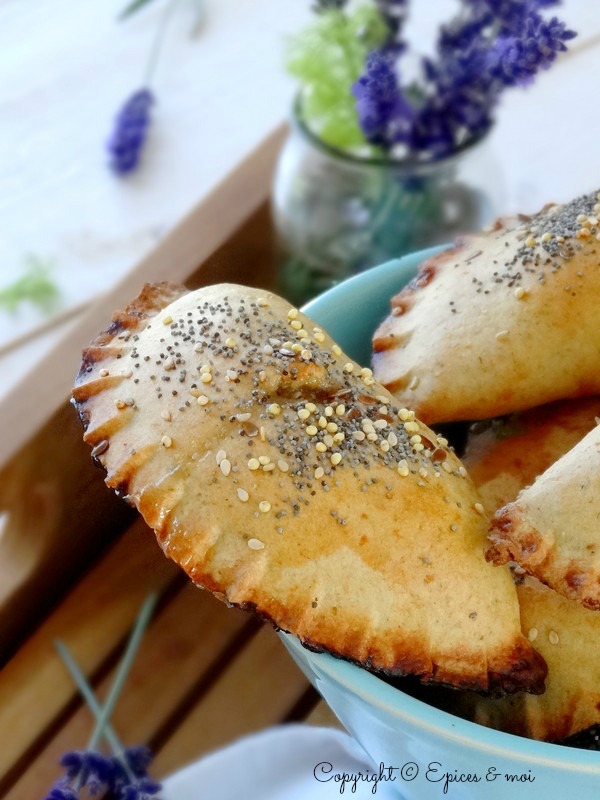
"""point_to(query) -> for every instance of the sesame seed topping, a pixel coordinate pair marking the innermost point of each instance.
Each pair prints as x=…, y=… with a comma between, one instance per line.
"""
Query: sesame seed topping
x=243, y=495
x=553, y=637
x=533, y=634
x=103, y=373
x=253, y=464
x=520, y=292
x=321, y=447
x=225, y=466
x=255, y=544
x=206, y=377
x=479, y=508
x=336, y=458
x=167, y=320
x=166, y=441
x=349, y=368
x=120, y=403
x=283, y=465
x=169, y=364
x=262, y=460
x=202, y=400
x=274, y=409
x=262, y=302
x=340, y=410
x=166, y=415
x=304, y=413
x=221, y=454
x=403, y=469
x=264, y=506
x=229, y=342
x=311, y=430
x=336, y=350
x=293, y=313
x=501, y=336
x=243, y=417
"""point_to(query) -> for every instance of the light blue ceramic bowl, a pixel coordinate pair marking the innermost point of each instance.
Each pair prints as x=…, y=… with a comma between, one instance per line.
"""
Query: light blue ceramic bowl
x=420, y=741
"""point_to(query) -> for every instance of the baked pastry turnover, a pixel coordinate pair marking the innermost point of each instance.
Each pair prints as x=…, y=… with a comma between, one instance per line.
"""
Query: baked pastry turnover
x=568, y=636
x=282, y=478
x=505, y=455
x=552, y=529
x=504, y=321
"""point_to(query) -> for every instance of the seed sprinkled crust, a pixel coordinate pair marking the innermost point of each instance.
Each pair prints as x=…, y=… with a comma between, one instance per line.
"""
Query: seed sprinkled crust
x=319, y=468
x=456, y=345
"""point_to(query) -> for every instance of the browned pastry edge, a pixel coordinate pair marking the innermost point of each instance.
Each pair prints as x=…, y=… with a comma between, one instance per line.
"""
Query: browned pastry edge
x=528, y=667
x=531, y=552
x=152, y=298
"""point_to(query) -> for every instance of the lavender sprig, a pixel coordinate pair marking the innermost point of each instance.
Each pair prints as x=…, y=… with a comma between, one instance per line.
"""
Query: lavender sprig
x=131, y=125
x=123, y=775
x=492, y=45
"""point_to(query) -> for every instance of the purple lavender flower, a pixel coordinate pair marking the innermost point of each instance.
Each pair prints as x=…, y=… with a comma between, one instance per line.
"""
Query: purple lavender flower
x=384, y=114
x=99, y=775
x=130, y=132
x=492, y=45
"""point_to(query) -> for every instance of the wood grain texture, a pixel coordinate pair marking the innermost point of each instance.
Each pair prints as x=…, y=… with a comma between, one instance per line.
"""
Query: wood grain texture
x=35, y=688
x=186, y=641
x=256, y=690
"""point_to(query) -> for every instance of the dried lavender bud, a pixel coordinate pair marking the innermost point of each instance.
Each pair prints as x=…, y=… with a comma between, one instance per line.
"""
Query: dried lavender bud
x=130, y=132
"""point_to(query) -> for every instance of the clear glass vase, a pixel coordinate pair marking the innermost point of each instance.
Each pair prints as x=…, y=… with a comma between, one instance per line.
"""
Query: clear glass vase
x=336, y=214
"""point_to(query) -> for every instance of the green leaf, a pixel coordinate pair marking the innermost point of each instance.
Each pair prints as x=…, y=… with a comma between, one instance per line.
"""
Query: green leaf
x=328, y=57
x=35, y=285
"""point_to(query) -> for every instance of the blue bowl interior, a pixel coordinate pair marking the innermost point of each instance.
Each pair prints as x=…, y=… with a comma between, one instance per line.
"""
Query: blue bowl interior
x=350, y=312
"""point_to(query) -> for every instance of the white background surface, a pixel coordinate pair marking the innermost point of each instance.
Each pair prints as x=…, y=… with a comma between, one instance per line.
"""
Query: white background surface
x=67, y=65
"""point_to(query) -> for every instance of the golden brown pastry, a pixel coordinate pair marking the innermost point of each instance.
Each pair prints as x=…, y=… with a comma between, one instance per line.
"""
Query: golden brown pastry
x=504, y=321
x=504, y=456
x=552, y=529
x=568, y=636
x=282, y=478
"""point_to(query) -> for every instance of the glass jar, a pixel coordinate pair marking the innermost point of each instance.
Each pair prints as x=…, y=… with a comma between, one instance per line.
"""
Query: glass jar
x=336, y=214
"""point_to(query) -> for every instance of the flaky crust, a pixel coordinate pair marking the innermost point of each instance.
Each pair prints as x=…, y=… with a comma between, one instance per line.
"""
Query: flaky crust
x=506, y=455
x=552, y=529
x=504, y=321
x=284, y=480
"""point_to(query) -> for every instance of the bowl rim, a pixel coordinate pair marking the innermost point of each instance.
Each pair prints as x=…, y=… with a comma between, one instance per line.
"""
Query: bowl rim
x=375, y=691
x=431, y=720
